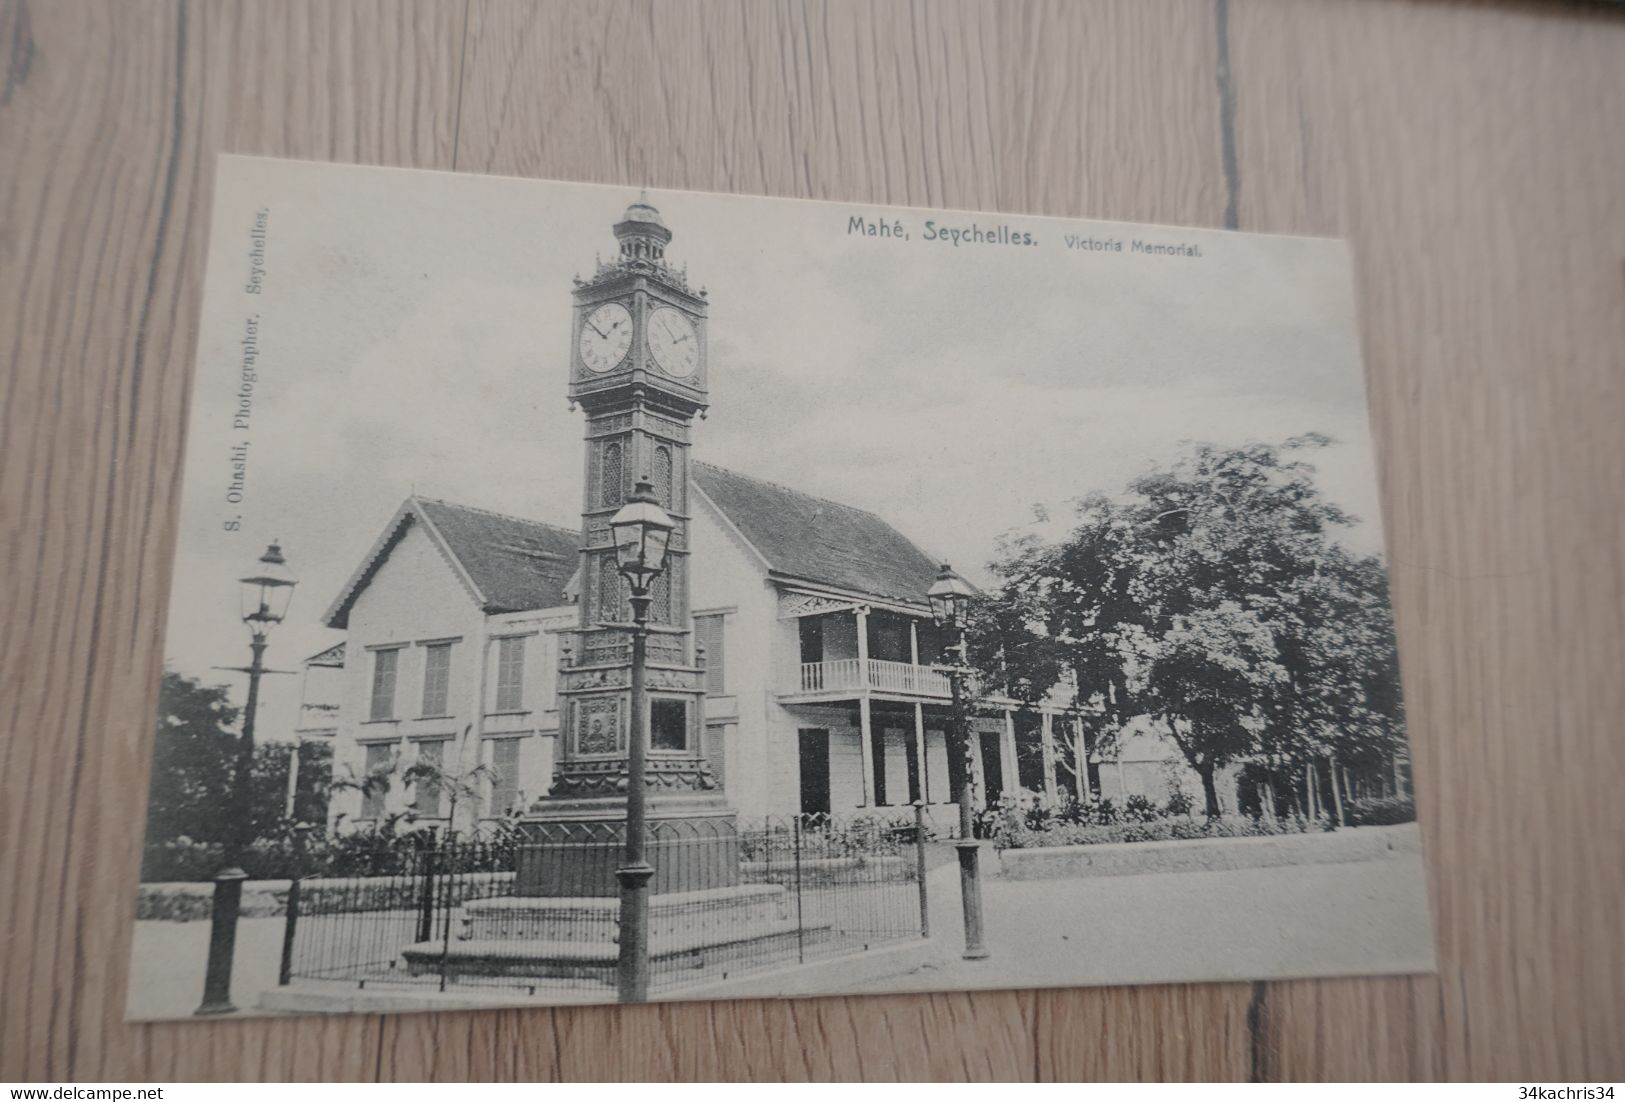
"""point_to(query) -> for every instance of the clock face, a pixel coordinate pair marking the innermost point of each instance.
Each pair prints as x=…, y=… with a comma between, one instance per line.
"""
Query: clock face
x=606, y=334
x=673, y=342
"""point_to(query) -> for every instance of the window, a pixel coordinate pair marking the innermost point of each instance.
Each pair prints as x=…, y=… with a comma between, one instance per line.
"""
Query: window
x=708, y=634
x=668, y=724
x=660, y=598
x=511, y=673
x=611, y=590
x=436, y=678
x=379, y=758
x=610, y=491
x=385, y=664
x=888, y=638
x=504, y=775
x=426, y=797
x=957, y=765
x=663, y=476
x=812, y=639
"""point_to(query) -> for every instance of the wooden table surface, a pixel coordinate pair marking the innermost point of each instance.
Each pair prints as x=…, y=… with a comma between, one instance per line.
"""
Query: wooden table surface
x=1474, y=154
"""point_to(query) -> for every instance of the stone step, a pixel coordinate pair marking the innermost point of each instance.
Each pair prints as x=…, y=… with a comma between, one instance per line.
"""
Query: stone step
x=776, y=940
x=702, y=914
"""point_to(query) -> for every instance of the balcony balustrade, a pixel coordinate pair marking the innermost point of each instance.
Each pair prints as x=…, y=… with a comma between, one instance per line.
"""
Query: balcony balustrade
x=856, y=674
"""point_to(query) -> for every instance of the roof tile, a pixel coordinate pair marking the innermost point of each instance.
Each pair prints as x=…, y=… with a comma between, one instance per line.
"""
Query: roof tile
x=820, y=541
x=517, y=564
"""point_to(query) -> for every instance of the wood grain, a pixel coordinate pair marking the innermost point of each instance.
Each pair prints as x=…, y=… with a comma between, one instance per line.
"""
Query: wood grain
x=1471, y=153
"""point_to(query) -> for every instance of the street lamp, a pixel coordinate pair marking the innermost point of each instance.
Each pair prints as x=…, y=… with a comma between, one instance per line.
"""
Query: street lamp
x=642, y=533
x=950, y=597
x=266, y=592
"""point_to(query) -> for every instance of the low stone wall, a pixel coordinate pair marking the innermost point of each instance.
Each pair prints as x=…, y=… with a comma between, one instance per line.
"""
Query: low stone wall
x=820, y=870
x=1208, y=854
x=191, y=901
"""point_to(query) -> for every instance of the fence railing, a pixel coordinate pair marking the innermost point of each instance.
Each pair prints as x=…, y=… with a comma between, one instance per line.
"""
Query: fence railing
x=541, y=911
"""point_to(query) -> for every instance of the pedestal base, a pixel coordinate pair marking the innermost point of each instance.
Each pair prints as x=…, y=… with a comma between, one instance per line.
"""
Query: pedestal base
x=575, y=938
x=571, y=857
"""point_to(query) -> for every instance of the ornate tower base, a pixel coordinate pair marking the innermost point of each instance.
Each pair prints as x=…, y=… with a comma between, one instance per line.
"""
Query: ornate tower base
x=571, y=850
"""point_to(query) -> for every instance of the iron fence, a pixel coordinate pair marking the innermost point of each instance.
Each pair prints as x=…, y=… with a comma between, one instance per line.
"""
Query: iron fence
x=540, y=910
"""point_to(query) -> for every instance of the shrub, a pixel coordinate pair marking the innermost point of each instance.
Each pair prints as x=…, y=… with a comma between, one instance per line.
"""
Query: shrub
x=181, y=859
x=383, y=849
x=1139, y=809
x=999, y=819
x=1179, y=803
x=1072, y=812
x=1381, y=812
x=824, y=836
x=1076, y=813
x=1182, y=828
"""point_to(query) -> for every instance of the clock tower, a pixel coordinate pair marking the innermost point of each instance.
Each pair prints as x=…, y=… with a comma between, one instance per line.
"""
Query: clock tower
x=638, y=372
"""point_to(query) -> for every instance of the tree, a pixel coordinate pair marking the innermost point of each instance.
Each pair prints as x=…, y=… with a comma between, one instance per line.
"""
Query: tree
x=194, y=756
x=459, y=785
x=1212, y=597
x=1208, y=675
x=466, y=786
x=314, y=783
x=1337, y=640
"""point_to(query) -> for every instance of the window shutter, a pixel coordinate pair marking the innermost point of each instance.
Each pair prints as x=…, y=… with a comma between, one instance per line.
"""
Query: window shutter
x=505, y=784
x=436, y=678
x=372, y=804
x=384, y=663
x=510, y=674
x=708, y=631
x=426, y=801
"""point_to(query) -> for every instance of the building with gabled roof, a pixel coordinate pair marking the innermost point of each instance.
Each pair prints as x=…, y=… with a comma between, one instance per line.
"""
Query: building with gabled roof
x=507, y=564
x=821, y=695
x=811, y=540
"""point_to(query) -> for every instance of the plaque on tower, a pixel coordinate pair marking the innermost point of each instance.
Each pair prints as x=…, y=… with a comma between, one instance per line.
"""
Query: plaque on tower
x=605, y=531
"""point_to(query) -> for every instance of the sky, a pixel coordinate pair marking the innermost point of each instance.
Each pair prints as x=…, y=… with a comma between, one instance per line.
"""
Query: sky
x=414, y=337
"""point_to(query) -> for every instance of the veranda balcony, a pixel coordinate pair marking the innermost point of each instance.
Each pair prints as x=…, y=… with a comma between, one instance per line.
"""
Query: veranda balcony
x=846, y=677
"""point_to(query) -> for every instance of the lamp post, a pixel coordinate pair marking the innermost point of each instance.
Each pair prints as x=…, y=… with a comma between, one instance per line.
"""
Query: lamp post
x=642, y=532
x=266, y=592
x=950, y=600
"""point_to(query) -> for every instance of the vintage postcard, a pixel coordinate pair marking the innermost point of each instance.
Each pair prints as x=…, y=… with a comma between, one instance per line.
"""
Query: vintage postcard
x=586, y=594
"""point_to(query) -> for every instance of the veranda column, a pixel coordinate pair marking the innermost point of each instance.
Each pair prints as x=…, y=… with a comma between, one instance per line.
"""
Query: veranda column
x=865, y=727
x=1080, y=762
x=1046, y=736
x=293, y=779
x=919, y=752
x=1007, y=754
x=922, y=767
